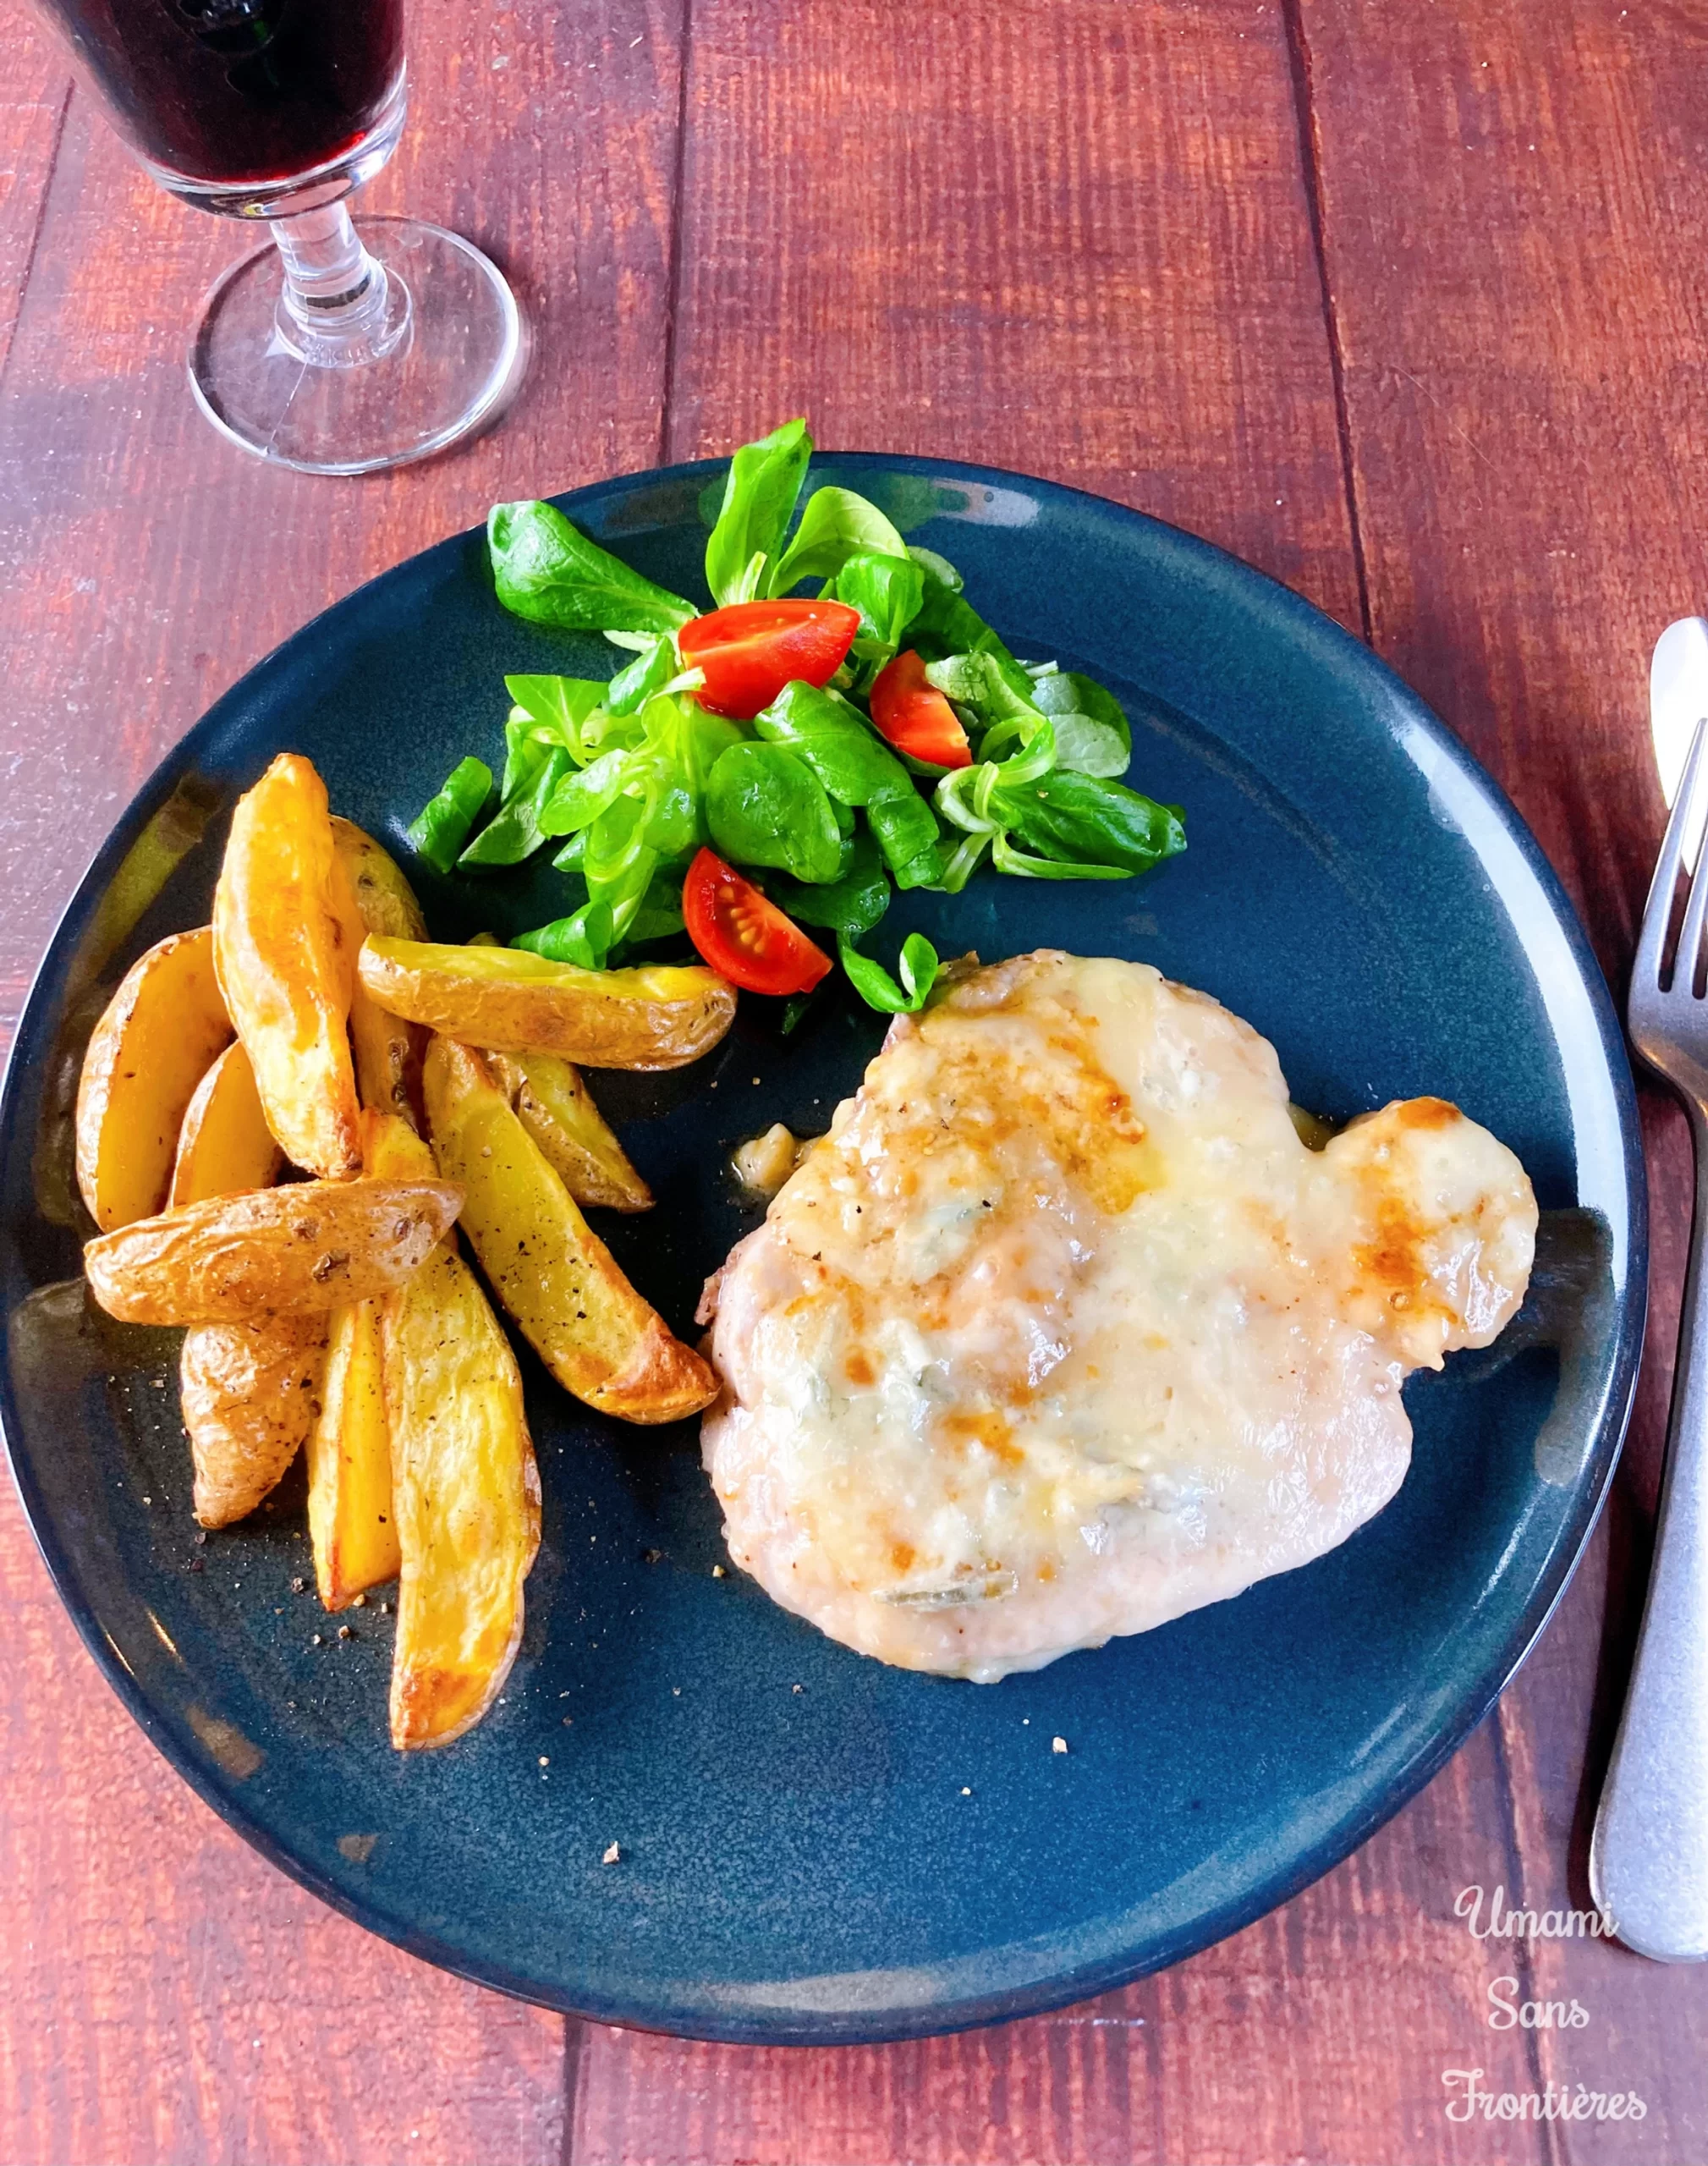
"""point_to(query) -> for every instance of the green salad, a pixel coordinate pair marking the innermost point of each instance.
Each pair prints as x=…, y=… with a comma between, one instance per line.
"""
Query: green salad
x=785, y=760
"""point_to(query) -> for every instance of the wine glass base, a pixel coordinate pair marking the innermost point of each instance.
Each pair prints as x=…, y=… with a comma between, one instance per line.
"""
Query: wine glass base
x=449, y=363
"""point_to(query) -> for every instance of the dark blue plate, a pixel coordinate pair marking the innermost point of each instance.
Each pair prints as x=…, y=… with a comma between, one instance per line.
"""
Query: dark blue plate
x=815, y=1848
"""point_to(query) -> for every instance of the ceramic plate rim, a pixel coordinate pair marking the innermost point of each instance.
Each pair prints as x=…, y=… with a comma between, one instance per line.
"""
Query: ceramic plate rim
x=1066, y=1987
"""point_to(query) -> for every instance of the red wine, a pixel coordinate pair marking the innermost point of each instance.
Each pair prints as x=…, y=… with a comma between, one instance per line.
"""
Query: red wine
x=237, y=90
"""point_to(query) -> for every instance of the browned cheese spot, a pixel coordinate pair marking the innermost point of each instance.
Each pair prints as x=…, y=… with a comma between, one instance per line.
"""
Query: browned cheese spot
x=1393, y=1261
x=991, y=1428
x=1426, y=1113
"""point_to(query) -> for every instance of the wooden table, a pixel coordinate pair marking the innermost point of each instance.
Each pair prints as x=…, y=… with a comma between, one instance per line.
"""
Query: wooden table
x=1407, y=304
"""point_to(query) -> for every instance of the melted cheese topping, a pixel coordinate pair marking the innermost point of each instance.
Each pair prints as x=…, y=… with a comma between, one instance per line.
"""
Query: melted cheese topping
x=1062, y=1330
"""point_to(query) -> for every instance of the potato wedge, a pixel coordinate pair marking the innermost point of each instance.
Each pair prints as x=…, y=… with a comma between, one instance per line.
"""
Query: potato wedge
x=282, y=949
x=225, y=1146
x=171, y=831
x=371, y=895
x=351, y=1524
x=465, y=1490
x=162, y=1031
x=249, y=1396
x=592, y=1330
x=383, y=895
x=467, y=1499
x=394, y=1150
x=236, y=1259
x=507, y=1000
x=558, y=1112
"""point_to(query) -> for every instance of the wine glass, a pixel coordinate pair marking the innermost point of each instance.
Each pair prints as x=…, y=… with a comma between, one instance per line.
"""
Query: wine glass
x=342, y=348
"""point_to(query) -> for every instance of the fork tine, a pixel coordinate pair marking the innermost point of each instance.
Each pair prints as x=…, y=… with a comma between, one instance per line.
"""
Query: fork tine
x=1690, y=932
x=1657, y=911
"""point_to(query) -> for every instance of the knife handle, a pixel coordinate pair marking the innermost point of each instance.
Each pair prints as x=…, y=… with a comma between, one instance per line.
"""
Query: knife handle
x=1648, y=1856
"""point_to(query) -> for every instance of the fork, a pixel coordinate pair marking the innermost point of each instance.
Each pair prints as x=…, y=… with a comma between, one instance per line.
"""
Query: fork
x=1648, y=1856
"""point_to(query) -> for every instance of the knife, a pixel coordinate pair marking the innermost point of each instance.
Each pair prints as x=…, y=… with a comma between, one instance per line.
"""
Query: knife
x=1648, y=1852
x=1678, y=702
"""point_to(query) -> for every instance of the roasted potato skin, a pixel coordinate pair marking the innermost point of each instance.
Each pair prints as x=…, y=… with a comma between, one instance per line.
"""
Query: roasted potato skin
x=225, y=1146
x=466, y=1495
x=371, y=895
x=507, y=1000
x=351, y=1525
x=163, y=1029
x=394, y=1150
x=236, y=1259
x=465, y=1492
x=556, y=1278
x=384, y=898
x=282, y=916
x=557, y=1110
x=251, y=1393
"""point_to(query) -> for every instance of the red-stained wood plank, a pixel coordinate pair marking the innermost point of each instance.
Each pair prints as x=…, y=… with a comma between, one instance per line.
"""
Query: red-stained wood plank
x=144, y=565
x=148, y=564
x=1071, y=237
x=1094, y=260
x=33, y=98
x=168, y=1997
x=1515, y=226
x=1074, y=238
x=1319, y=2034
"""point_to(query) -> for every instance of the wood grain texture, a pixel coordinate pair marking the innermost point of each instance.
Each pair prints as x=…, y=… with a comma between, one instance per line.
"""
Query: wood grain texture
x=1323, y=2033
x=1318, y=2034
x=1094, y=261
x=117, y=657
x=34, y=94
x=1074, y=236
x=169, y=1997
x=143, y=567
x=1074, y=241
x=1527, y=439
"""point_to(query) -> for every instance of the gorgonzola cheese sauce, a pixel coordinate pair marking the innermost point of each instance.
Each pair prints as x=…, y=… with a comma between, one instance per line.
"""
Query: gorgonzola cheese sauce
x=1062, y=1330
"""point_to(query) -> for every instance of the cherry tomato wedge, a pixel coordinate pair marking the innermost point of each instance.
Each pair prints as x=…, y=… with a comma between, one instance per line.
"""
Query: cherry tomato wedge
x=743, y=936
x=915, y=717
x=752, y=649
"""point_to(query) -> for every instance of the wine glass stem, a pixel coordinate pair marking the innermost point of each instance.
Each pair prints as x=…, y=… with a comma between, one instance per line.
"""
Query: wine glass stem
x=334, y=298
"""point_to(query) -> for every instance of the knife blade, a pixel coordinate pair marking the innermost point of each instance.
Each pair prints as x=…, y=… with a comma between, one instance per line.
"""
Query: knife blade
x=1678, y=702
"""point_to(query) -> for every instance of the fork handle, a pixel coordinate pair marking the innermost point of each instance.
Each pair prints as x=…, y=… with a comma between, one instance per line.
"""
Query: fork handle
x=1649, y=1857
